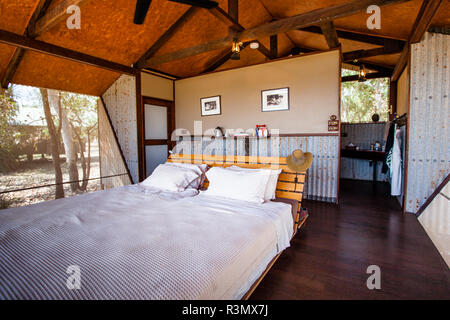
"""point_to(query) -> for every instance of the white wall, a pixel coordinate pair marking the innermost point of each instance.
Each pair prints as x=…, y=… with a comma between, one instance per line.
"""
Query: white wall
x=156, y=87
x=313, y=83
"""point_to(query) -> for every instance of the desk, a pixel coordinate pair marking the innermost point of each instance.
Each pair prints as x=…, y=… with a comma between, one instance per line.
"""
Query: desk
x=370, y=155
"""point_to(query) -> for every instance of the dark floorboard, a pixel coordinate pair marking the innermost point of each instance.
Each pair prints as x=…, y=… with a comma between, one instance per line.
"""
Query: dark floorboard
x=328, y=259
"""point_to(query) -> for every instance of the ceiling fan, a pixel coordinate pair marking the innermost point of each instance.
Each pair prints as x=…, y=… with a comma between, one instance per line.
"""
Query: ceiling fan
x=142, y=7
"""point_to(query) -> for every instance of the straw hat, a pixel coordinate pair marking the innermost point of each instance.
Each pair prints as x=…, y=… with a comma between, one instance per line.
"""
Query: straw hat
x=299, y=161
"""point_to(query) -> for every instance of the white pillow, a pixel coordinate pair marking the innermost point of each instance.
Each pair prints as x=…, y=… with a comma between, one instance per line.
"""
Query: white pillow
x=199, y=168
x=247, y=186
x=170, y=178
x=271, y=187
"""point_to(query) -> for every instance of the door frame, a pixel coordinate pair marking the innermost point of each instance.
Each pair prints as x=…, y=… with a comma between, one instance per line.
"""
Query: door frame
x=170, y=105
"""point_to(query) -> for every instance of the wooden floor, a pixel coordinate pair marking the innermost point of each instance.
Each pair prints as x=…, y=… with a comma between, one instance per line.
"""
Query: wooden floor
x=329, y=257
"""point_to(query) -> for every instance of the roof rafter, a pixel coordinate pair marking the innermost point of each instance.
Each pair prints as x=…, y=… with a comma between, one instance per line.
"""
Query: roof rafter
x=360, y=37
x=166, y=36
x=235, y=26
x=16, y=40
x=302, y=20
x=423, y=21
x=13, y=64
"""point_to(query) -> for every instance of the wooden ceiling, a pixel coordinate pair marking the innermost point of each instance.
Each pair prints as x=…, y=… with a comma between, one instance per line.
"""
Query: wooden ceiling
x=107, y=32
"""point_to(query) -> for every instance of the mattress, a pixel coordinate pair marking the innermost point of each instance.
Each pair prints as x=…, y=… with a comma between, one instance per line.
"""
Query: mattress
x=138, y=243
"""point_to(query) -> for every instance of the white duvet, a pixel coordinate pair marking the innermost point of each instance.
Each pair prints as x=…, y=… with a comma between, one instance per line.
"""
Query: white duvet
x=138, y=243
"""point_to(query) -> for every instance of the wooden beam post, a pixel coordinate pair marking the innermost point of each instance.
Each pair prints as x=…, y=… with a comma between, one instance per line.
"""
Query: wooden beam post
x=401, y=64
x=423, y=21
x=275, y=27
x=274, y=46
x=233, y=9
x=166, y=36
x=330, y=34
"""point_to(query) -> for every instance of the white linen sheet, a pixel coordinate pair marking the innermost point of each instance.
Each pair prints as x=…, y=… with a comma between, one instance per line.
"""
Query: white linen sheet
x=137, y=243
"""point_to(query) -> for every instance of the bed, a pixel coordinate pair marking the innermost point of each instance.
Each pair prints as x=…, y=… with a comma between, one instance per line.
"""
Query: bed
x=137, y=243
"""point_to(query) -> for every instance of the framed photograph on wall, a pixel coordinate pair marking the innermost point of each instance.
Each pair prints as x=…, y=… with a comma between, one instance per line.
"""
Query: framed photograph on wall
x=210, y=106
x=275, y=99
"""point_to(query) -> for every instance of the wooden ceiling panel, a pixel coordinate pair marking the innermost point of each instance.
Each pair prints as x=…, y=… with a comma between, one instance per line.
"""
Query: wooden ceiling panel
x=252, y=13
x=16, y=14
x=317, y=41
x=442, y=18
x=389, y=60
x=190, y=66
x=201, y=28
x=40, y=70
x=248, y=57
x=396, y=20
x=288, y=8
x=107, y=29
x=284, y=44
x=6, y=53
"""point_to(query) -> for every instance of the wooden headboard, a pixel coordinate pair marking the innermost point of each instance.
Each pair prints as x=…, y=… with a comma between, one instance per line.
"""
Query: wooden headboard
x=287, y=187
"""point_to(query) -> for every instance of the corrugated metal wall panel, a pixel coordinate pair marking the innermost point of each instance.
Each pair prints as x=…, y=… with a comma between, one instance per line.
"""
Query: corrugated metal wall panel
x=322, y=176
x=361, y=135
x=120, y=100
x=429, y=120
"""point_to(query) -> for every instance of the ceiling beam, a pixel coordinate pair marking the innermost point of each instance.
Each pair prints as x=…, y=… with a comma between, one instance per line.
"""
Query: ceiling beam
x=274, y=46
x=27, y=43
x=359, y=54
x=233, y=9
x=373, y=75
x=275, y=27
x=262, y=49
x=401, y=64
x=354, y=36
x=220, y=14
x=372, y=66
x=421, y=24
x=330, y=34
x=54, y=16
x=166, y=36
x=13, y=64
x=423, y=20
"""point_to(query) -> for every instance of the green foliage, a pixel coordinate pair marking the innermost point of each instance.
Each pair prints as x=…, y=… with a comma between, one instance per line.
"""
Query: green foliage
x=82, y=112
x=360, y=100
x=8, y=111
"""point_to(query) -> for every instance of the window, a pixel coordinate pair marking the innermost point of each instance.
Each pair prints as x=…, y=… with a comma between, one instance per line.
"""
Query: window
x=361, y=100
x=32, y=167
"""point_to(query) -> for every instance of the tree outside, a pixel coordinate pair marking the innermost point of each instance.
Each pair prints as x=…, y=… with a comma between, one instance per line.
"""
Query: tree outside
x=47, y=137
x=361, y=100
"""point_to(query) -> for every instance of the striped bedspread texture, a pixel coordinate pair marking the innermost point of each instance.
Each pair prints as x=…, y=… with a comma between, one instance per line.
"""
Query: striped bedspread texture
x=132, y=243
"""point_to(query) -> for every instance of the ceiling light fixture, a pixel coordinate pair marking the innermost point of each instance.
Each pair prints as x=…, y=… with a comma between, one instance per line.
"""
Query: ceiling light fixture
x=236, y=50
x=362, y=74
x=254, y=45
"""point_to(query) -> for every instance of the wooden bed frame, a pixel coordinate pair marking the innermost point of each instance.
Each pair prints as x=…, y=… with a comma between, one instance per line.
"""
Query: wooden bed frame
x=290, y=185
